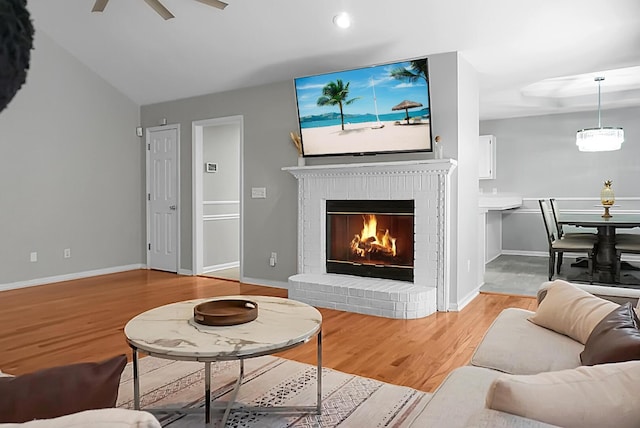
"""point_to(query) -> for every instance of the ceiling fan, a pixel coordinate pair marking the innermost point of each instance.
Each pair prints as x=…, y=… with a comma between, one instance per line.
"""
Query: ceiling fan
x=159, y=7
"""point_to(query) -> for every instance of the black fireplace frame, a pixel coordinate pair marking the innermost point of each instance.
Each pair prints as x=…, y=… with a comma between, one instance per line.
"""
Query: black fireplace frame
x=386, y=206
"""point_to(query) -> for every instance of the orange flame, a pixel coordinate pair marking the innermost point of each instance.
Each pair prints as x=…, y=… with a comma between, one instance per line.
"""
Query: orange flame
x=372, y=240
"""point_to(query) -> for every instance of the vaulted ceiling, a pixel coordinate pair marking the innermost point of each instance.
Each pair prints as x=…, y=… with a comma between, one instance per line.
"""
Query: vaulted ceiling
x=514, y=45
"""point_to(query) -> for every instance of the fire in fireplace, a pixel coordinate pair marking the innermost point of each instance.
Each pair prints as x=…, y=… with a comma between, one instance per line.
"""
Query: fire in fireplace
x=371, y=238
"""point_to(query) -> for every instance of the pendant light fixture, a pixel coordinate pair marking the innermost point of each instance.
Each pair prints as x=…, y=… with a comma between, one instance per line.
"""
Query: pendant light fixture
x=600, y=139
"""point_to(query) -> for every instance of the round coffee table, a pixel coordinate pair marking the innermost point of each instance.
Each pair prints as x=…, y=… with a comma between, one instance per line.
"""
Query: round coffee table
x=170, y=332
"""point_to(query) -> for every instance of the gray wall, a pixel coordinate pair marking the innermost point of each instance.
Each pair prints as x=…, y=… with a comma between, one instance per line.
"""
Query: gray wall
x=269, y=116
x=537, y=158
x=71, y=173
x=269, y=224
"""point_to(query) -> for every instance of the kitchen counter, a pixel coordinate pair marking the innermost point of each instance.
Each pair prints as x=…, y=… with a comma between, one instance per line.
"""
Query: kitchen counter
x=499, y=201
x=491, y=206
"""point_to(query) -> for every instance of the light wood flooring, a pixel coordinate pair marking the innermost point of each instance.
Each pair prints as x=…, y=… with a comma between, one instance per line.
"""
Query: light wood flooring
x=83, y=320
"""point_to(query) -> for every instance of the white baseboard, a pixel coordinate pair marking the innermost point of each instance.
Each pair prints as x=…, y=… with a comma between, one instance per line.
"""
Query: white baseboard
x=456, y=307
x=493, y=258
x=69, y=277
x=214, y=268
x=526, y=253
x=187, y=272
x=265, y=282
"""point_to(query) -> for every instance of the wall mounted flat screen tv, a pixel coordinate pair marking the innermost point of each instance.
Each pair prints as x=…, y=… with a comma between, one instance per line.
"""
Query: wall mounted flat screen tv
x=369, y=110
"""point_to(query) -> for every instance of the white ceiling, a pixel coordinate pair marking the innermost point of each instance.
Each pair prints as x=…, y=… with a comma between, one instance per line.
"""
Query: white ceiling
x=512, y=44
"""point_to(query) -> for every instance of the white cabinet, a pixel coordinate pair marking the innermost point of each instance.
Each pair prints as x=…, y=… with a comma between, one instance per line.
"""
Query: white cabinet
x=487, y=157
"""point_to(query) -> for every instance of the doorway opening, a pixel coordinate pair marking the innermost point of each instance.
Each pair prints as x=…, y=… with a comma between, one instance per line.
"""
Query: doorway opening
x=217, y=203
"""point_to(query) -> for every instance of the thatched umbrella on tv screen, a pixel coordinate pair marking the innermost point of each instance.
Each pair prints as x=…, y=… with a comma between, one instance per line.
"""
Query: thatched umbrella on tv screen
x=406, y=105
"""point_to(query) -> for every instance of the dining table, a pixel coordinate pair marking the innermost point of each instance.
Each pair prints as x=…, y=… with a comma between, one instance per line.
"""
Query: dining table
x=605, y=257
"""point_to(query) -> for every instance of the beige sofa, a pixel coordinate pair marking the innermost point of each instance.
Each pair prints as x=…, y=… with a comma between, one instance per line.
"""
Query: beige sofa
x=98, y=418
x=515, y=346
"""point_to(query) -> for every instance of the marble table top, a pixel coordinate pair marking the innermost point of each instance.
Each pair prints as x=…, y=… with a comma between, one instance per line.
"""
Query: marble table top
x=169, y=331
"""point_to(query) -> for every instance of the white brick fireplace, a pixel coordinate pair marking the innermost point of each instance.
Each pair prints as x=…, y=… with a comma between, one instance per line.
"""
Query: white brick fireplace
x=424, y=181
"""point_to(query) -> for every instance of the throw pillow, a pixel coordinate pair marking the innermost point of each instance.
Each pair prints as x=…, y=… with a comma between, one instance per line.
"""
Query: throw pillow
x=568, y=310
x=606, y=395
x=615, y=339
x=59, y=391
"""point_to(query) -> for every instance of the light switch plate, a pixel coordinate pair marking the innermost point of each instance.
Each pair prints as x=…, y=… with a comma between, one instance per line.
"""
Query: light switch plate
x=258, y=192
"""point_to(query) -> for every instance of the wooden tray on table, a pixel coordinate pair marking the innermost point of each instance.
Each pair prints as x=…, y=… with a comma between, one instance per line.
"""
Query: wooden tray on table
x=225, y=312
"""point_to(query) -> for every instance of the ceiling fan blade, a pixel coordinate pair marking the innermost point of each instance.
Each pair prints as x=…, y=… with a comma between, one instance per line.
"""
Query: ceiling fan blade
x=99, y=5
x=215, y=3
x=158, y=7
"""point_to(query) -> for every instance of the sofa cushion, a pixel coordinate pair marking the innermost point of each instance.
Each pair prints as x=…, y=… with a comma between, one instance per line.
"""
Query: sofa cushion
x=615, y=339
x=606, y=395
x=102, y=418
x=568, y=310
x=617, y=295
x=59, y=391
x=514, y=345
x=461, y=394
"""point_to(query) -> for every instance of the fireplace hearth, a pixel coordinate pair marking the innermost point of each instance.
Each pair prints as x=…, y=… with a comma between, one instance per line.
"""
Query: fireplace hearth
x=370, y=238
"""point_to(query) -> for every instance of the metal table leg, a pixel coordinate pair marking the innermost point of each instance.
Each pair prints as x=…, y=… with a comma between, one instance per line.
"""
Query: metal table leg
x=207, y=392
x=234, y=395
x=136, y=379
x=319, y=375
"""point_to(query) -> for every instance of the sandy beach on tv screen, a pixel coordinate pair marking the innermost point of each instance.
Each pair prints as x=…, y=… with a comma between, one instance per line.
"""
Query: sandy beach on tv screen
x=361, y=137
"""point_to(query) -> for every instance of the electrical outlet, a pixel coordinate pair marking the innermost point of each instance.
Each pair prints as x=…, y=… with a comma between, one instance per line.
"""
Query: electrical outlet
x=33, y=257
x=67, y=253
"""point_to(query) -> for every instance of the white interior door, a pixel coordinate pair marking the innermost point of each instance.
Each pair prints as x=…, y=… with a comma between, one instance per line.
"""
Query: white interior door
x=162, y=198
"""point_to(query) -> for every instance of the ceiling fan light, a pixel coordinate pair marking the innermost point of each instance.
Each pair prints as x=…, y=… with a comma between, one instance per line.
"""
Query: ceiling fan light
x=599, y=139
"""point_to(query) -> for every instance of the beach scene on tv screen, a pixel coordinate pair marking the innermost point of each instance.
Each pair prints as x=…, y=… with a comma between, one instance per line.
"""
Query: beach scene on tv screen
x=374, y=109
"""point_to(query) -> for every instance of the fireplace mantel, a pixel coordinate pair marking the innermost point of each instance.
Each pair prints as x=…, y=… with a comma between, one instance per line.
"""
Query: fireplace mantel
x=433, y=166
x=424, y=181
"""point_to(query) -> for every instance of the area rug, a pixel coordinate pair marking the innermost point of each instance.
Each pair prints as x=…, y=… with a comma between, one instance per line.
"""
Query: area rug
x=347, y=400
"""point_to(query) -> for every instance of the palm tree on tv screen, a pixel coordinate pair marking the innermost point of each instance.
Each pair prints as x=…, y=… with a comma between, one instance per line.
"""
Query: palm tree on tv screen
x=416, y=70
x=336, y=93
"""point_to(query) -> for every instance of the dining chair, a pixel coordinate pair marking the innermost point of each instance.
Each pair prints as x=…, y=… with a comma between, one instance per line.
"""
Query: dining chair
x=627, y=237
x=561, y=233
x=630, y=245
x=558, y=246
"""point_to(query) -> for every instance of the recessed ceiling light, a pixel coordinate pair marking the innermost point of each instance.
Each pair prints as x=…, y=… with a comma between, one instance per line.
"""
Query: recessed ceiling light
x=342, y=20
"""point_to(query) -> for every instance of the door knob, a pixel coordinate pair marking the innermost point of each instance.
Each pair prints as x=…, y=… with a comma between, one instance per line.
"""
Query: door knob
x=172, y=207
